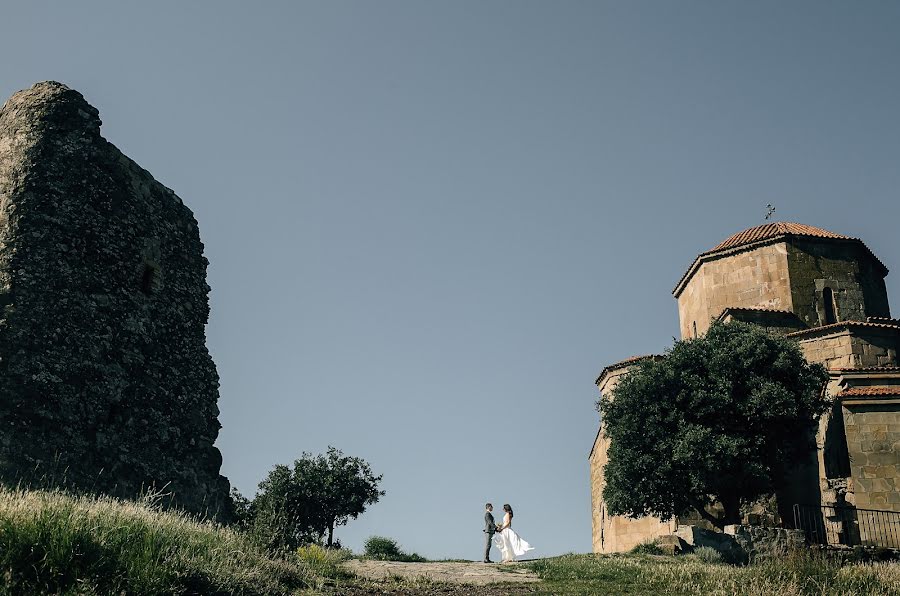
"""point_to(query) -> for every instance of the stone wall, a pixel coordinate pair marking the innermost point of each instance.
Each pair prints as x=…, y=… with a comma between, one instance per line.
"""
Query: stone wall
x=106, y=383
x=614, y=533
x=851, y=346
x=756, y=278
x=855, y=280
x=873, y=443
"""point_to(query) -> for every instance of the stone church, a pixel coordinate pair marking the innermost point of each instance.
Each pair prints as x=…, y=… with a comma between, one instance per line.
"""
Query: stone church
x=827, y=292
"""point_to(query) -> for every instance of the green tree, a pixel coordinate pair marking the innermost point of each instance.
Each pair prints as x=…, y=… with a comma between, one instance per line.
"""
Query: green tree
x=719, y=418
x=304, y=504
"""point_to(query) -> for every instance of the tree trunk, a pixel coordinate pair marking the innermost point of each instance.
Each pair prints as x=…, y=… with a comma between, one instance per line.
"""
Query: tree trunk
x=716, y=521
x=732, y=512
x=330, y=533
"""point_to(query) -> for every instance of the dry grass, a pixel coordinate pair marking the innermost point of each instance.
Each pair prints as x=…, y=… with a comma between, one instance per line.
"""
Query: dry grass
x=54, y=543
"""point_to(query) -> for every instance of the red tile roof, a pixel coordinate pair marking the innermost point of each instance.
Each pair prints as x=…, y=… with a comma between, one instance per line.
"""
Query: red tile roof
x=766, y=234
x=756, y=309
x=773, y=230
x=848, y=324
x=873, y=390
x=624, y=363
x=866, y=369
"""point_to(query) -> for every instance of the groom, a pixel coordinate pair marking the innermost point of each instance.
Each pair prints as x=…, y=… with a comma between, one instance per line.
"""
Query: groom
x=489, y=529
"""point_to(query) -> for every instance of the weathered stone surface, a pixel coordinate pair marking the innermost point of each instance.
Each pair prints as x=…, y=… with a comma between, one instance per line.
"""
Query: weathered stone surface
x=616, y=533
x=105, y=380
x=759, y=542
x=695, y=536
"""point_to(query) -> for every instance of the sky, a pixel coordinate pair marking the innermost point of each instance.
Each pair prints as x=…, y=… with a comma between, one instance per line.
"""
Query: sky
x=431, y=224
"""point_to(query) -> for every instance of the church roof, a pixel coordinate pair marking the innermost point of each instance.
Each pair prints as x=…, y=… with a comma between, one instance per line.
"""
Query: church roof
x=623, y=363
x=753, y=309
x=846, y=325
x=767, y=234
x=876, y=390
x=773, y=230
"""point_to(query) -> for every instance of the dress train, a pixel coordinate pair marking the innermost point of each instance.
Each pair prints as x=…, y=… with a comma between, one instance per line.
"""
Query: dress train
x=510, y=544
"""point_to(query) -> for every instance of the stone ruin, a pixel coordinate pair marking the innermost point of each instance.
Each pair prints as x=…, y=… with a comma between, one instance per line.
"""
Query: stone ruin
x=106, y=384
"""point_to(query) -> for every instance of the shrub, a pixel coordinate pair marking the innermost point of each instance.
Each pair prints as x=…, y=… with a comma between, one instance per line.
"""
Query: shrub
x=708, y=554
x=386, y=549
x=648, y=547
x=324, y=561
x=303, y=504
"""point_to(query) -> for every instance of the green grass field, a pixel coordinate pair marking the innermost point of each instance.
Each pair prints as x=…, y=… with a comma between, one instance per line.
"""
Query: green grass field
x=800, y=574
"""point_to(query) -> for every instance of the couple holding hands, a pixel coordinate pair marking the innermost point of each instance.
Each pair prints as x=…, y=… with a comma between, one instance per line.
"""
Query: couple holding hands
x=502, y=535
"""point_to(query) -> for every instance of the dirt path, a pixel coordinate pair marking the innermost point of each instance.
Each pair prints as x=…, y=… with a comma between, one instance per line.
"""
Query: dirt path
x=475, y=574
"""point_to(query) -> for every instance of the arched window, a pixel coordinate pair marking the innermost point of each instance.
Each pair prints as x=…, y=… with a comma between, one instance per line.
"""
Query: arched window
x=830, y=310
x=695, y=329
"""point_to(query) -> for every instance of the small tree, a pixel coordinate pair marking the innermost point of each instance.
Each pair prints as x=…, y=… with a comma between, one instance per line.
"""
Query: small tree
x=303, y=504
x=719, y=418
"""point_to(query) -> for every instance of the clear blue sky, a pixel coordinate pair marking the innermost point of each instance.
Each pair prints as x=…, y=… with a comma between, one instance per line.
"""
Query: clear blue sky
x=431, y=224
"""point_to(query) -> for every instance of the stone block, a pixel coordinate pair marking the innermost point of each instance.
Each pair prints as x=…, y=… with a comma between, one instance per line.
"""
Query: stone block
x=670, y=544
x=695, y=536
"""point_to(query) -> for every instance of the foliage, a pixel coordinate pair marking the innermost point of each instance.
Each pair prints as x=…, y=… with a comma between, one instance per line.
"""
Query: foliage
x=304, y=504
x=799, y=574
x=719, y=418
x=240, y=509
x=54, y=543
x=707, y=554
x=648, y=547
x=387, y=549
x=325, y=562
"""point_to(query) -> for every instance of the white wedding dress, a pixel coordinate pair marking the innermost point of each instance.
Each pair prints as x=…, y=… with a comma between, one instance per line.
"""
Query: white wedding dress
x=510, y=544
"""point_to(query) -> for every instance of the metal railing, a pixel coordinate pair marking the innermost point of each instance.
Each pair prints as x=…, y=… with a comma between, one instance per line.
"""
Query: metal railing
x=848, y=526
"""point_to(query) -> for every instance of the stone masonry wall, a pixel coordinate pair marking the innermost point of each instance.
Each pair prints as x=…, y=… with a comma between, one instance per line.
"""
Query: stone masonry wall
x=106, y=383
x=841, y=348
x=873, y=443
x=859, y=290
x=754, y=278
x=615, y=533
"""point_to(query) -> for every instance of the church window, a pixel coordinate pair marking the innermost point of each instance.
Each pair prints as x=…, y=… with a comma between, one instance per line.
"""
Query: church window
x=830, y=309
x=695, y=329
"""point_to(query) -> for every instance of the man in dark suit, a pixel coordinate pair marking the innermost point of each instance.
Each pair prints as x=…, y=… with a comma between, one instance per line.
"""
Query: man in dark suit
x=489, y=529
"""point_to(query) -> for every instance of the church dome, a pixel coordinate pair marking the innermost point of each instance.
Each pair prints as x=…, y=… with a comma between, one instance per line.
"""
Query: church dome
x=773, y=230
x=771, y=233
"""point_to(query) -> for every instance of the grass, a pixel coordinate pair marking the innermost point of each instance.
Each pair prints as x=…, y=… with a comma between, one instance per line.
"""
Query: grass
x=54, y=543
x=799, y=574
x=325, y=562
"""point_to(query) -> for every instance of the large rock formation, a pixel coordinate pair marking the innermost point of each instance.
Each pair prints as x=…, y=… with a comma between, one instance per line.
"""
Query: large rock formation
x=105, y=380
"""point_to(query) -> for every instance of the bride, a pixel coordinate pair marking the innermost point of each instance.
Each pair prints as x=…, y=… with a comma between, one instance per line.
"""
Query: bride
x=509, y=543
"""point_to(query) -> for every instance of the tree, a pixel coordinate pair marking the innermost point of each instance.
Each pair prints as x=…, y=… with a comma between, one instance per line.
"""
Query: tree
x=719, y=418
x=303, y=504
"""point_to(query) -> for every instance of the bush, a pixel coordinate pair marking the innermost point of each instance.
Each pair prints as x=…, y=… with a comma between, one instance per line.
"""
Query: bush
x=708, y=554
x=648, y=547
x=324, y=561
x=386, y=549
